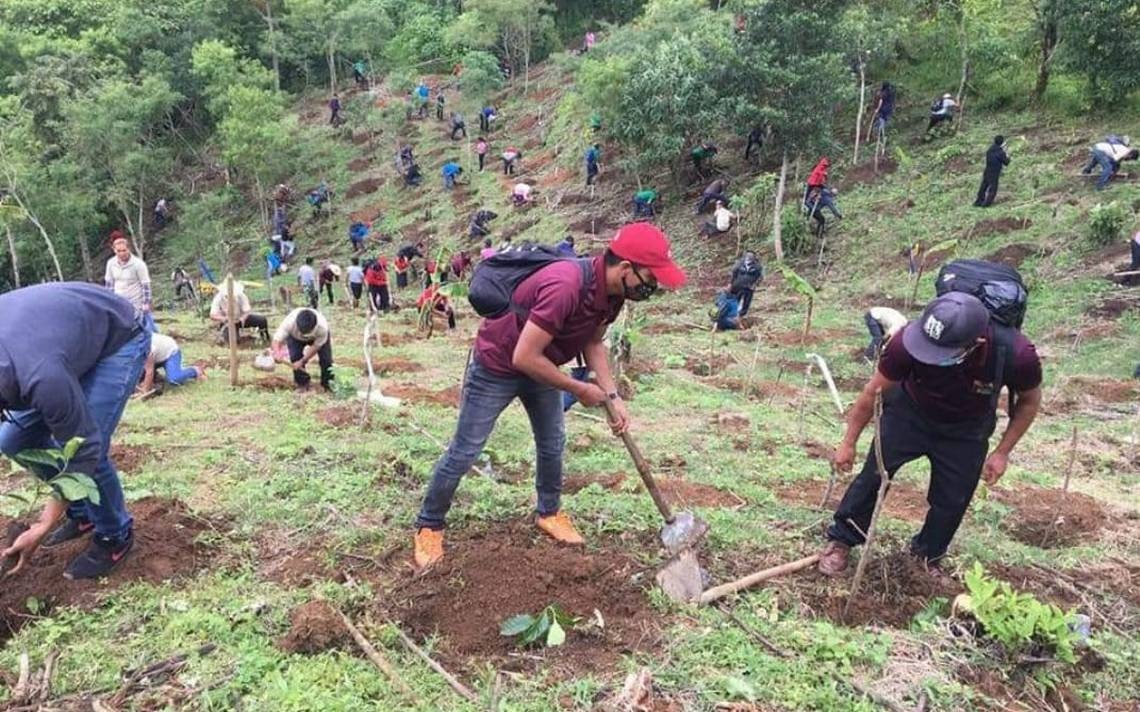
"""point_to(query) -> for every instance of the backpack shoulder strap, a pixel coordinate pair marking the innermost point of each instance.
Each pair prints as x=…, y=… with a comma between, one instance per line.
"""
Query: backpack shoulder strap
x=586, y=270
x=1002, y=362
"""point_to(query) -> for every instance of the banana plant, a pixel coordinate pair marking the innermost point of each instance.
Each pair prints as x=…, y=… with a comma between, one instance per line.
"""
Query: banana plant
x=803, y=287
x=69, y=486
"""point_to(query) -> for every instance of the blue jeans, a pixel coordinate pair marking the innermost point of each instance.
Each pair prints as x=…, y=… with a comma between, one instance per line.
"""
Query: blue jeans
x=107, y=387
x=148, y=322
x=1107, y=168
x=642, y=208
x=485, y=395
x=448, y=182
x=175, y=374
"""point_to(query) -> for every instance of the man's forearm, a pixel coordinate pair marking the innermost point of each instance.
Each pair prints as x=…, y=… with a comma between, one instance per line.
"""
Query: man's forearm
x=858, y=418
x=1027, y=406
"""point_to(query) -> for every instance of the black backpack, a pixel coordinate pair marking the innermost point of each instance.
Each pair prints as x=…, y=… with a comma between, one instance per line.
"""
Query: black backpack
x=1002, y=290
x=495, y=279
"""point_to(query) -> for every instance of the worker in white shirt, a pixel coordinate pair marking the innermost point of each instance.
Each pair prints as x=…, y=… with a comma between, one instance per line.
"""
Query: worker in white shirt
x=882, y=323
x=303, y=335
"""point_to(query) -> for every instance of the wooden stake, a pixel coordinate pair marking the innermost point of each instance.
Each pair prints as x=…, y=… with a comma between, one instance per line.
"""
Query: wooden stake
x=232, y=329
x=884, y=483
x=717, y=592
x=1064, y=489
x=377, y=659
x=456, y=685
x=830, y=486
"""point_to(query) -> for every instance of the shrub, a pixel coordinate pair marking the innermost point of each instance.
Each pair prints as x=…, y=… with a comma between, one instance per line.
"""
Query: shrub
x=794, y=232
x=1106, y=224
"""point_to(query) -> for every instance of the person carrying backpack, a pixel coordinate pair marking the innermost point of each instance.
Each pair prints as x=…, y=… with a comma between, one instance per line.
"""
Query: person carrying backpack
x=1109, y=154
x=540, y=312
x=745, y=276
x=940, y=379
x=486, y=116
x=996, y=160
x=941, y=110
x=359, y=70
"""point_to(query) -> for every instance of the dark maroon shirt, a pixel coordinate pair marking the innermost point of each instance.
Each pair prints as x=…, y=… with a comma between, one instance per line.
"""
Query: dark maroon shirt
x=554, y=297
x=953, y=394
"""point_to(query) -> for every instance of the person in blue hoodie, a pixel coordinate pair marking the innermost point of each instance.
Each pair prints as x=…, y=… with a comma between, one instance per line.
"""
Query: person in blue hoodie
x=727, y=311
x=68, y=379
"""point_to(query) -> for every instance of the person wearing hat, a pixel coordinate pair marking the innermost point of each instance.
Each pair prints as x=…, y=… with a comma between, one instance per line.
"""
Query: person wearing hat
x=941, y=110
x=303, y=335
x=70, y=356
x=329, y=273
x=996, y=160
x=243, y=310
x=882, y=324
x=564, y=310
x=938, y=384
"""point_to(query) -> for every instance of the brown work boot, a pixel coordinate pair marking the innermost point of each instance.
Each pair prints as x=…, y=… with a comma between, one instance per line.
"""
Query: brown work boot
x=833, y=558
x=560, y=528
x=429, y=547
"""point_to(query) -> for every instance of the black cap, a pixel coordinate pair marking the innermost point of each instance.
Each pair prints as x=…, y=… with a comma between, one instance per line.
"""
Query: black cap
x=948, y=327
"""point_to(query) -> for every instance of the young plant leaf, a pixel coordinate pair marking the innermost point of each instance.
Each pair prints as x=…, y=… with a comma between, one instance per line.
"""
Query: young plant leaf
x=516, y=624
x=71, y=448
x=75, y=486
x=45, y=458
x=556, y=635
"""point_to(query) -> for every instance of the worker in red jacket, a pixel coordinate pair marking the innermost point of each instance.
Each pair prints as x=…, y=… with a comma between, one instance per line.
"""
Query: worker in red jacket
x=376, y=277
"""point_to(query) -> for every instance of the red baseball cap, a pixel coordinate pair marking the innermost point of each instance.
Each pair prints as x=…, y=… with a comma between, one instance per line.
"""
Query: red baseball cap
x=644, y=244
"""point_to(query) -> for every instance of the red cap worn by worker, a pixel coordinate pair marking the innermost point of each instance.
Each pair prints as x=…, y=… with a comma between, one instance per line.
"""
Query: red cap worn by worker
x=644, y=244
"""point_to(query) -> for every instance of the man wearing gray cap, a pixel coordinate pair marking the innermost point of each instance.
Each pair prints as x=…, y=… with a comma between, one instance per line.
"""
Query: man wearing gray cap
x=949, y=366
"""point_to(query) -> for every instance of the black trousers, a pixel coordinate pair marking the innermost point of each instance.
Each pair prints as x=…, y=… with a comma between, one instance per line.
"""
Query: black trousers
x=379, y=296
x=591, y=174
x=752, y=144
x=357, y=289
x=301, y=377
x=744, y=295
x=508, y=167
x=988, y=190
x=481, y=157
x=458, y=129
x=252, y=321
x=313, y=294
x=328, y=289
x=1135, y=254
x=877, y=336
x=936, y=119
x=956, y=452
x=484, y=124
x=401, y=280
x=708, y=199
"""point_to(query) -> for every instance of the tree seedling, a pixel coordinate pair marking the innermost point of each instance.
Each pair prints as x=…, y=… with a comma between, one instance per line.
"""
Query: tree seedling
x=548, y=626
x=69, y=486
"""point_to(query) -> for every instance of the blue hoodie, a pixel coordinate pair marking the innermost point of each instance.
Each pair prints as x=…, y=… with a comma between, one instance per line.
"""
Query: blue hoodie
x=51, y=336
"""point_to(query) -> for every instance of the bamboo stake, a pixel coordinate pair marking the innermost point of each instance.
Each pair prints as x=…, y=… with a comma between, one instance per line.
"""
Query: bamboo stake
x=456, y=685
x=376, y=658
x=1064, y=489
x=232, y=329
x=718, y=592
x=884, y=483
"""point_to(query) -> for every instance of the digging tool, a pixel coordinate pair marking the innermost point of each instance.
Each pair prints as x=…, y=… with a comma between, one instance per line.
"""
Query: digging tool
x=681, y=577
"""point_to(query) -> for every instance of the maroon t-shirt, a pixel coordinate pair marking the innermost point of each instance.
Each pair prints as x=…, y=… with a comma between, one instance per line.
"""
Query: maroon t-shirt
x=554, y=298
x=954, y=394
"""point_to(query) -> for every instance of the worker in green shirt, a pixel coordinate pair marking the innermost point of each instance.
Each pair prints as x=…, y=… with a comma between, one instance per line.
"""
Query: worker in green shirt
x=644, y=203
x=700, y=154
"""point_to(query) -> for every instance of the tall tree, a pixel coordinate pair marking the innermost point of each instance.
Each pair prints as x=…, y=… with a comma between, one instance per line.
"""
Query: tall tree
x=512, y=25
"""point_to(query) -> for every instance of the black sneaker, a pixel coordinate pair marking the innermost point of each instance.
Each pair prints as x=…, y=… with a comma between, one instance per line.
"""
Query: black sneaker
x=70, y=529
x=100, y=557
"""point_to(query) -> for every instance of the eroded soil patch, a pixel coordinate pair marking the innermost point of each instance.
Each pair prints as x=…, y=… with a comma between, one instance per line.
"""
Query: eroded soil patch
x=363, y=187
x=682, y=493
x=164, y=548
x=511, y=568
x=314, y=627
x=999, y=226
x=1079, y=517
x=274, y=383
x=128, y=459
x=865, y=173
x=418, y=394
x=1013, y=255
x=905, y=501
x=575, y=483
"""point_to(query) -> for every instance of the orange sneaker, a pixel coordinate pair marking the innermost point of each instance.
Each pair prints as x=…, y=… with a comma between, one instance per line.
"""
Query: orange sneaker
x=560, y=528
x=429, y=547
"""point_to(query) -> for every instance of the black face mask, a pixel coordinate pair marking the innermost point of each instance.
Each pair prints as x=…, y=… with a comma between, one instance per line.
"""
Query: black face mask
x=639, y=292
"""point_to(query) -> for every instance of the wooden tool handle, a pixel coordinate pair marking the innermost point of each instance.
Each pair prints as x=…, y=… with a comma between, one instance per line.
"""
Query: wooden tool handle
x=751, y=580
x=642, y=467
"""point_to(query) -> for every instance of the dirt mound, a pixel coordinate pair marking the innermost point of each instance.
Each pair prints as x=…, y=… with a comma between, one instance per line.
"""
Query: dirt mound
x=274, y=383
x=1110, y=308
x=574, y=199
x=795, y=337
x=418, y=394
x=594, y=225
x=757, y=389
x=1107, y=390
x=682, y=493
x=129, y=458
x=865, y=173
x=363, y=187
x=359, y=164
x=314, y=627
x=905, y=501
x=366, y=215
x=1079, y=518
x=340, y=416
x=895, y=588
x=383, y=366
x=491, y=575
x=164, y=548
x=706, y=366
x=576, y=483
x=1013, y=255
x=999, y=226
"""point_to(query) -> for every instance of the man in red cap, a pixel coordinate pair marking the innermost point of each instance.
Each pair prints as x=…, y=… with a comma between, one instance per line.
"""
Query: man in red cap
x=563, y=310
x=949, y=368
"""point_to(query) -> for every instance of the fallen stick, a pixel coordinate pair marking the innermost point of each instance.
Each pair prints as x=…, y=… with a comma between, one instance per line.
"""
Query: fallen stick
x=20, y=691
x=49, y=669
x=884, y=483
x=168, y=666
x=718, y=592
x=377, y=659
x=456, y=685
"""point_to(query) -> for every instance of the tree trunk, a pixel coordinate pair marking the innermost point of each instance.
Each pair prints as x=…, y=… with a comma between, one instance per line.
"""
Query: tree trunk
x=965, y=69
x=1048, y=48
x=273, y=45
x=40, y=227
x=331, y=57
x=12, y=254
x=85, y=254
x=140, y=238
x=777, y=214
x=862, y=106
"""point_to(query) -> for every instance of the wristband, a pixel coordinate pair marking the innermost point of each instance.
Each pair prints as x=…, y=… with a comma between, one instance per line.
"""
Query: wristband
x=613, y=395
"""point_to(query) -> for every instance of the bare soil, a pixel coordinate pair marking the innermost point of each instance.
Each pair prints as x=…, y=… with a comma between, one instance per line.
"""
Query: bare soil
x=490, y=575
x=1013, y=255
x=999, y=226
x=699, y=366
x=865, y=173
x=418, y=394
x=357, y=165
x=1107, y=390
x=905, y=501
x=164, y=548
x=394, y=364
x=274, y=383
x=363, y=187
x=896, y=586
x=759, y=389
x=595, y=225
x=1110, y=308
x=512, y=231
x=340, y=416
x=128, y=459
x=314, y=627
x=681, y=493
x=575, y=483
x=1079, y=518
